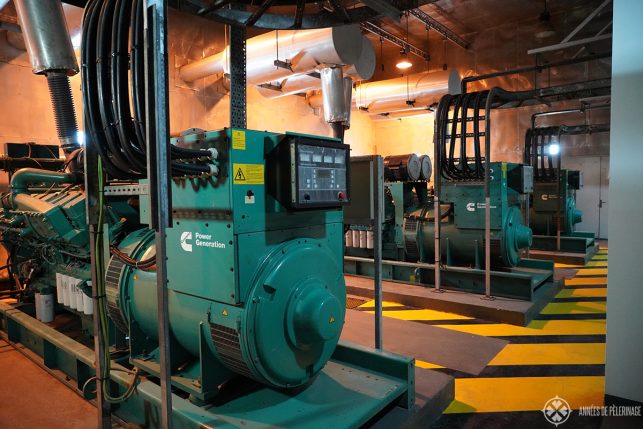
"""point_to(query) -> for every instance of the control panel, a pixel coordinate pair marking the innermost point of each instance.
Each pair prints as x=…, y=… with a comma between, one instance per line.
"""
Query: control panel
x=309, y=172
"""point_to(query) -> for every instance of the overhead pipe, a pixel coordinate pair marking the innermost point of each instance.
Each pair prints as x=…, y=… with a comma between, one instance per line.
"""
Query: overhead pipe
x=410, y=94
x=50, y=49
x=362, y=69
x=299, y=51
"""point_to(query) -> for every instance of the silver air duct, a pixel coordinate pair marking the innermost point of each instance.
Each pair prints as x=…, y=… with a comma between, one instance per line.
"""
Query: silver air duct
x=362, y=69
x=50, y=50
x=300, y=50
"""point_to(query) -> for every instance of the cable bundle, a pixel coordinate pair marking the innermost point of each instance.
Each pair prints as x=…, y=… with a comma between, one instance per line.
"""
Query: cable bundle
x=452, y=130
x=111, y=53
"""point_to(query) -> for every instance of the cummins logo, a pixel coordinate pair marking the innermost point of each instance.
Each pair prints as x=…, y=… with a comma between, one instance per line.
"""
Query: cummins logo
x=200, y=240
x=185, y=245
x=473, y=206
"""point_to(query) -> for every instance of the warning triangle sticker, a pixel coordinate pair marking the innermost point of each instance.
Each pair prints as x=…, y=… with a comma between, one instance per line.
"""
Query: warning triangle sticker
x=239, y=175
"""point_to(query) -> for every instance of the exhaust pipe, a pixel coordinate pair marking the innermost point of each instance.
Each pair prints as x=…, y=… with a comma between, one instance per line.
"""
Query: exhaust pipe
x=337, y=92
x=51, y=52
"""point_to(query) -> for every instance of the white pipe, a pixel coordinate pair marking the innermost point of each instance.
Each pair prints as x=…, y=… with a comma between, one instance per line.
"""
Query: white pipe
x=423, y=89
x=303, y=49
x=387, y=96
x=363, y=69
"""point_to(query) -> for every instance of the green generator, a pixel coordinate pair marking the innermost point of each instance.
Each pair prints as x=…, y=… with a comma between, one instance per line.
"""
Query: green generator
x=553, y=213
x=255, y=284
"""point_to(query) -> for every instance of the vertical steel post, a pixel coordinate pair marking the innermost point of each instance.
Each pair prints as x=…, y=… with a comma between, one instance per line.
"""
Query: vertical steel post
x=378, y=196
x=238, y=117
x=437, y=177
x=91, y=190
x=487, y=195
x=159, y=173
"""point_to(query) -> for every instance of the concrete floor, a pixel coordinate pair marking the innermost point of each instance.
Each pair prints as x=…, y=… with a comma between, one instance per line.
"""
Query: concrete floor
x=30, y=398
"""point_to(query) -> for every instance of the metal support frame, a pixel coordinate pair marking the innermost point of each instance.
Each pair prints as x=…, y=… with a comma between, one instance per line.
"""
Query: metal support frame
x=377, y=248
x=433, y=24
x=238, y=117
x=567, y=41
x=536, y=68
x=379, y=31
x=158, y=165
x=582, y=25
x=566, y=45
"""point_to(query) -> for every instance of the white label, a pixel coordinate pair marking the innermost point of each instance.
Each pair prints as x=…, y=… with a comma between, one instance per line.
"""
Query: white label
x=189, y=240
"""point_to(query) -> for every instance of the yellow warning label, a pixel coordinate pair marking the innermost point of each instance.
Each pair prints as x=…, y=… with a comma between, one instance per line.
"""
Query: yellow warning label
x=331, y=320
x=247, y=174
x=504, y=170
x=238, y=139
x=225, y=312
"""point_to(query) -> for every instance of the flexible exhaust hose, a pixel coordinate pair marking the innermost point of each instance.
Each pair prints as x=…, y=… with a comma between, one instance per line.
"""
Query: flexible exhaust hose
x=63, y=106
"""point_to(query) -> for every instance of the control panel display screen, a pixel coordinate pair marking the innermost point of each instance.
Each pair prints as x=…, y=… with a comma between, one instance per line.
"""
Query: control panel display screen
x=321, y=175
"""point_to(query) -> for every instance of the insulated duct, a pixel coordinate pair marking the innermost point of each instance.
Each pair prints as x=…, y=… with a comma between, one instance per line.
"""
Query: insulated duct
x=413, y=93
x=301, y=51
x=50, y=50
x=362, y=69
x=336, y=110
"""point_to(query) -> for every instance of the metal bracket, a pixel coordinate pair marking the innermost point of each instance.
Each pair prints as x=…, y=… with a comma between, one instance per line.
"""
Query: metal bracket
x=435, y=25
x=129, y=189
x=379, y=31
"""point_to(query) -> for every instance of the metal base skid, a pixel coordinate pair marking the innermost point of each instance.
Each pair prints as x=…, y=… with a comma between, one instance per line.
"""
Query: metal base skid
x=356, y=385
x=520, y=282
x=576, y=249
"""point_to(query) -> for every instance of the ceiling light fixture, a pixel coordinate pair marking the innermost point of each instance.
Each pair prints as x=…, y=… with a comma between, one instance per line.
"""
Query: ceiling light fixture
x=545, y=29
x=403, y=63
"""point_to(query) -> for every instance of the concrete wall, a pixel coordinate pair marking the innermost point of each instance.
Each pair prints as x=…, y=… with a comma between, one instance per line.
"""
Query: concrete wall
x=624, y=370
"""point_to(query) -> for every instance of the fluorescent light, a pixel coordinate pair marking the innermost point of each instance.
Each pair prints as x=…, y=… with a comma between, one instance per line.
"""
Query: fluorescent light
x=553, y=149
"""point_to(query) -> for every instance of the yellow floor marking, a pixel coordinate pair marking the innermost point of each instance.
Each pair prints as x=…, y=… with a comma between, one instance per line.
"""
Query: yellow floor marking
x=536, y=327
x=371, y=303
x=551, y=354
x=422, y=315
x=592, y=272
x=561, y=265
x=583, y=293
x=586, y=281
x=602, y=252
x=597, y=264
x=602, y=258
x=486, y=395
x=575, y=308
x=426, y=365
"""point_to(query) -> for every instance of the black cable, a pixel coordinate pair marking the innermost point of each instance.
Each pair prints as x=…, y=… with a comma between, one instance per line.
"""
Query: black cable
x=120, y=85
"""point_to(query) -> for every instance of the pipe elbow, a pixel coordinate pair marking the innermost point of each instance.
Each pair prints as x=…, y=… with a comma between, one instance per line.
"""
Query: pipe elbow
x=25, y=177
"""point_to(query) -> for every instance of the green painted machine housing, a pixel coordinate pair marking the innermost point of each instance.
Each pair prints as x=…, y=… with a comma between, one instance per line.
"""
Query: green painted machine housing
x=409, y=227
x=254, y=289
x=551, y=197
x=44, y=228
